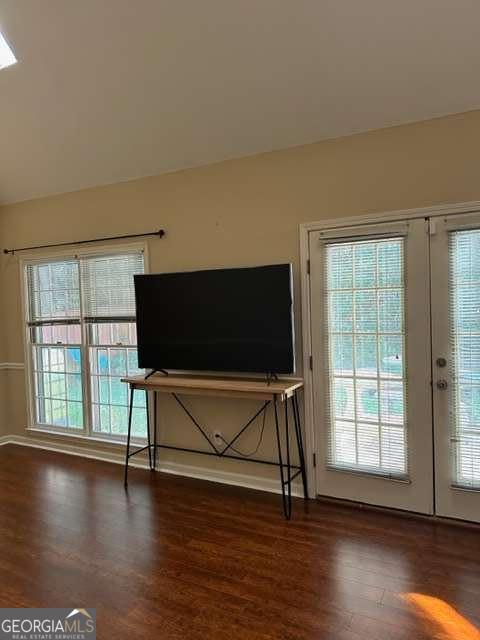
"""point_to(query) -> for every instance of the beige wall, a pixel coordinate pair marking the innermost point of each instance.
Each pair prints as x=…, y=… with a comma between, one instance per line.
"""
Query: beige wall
x=244, y=212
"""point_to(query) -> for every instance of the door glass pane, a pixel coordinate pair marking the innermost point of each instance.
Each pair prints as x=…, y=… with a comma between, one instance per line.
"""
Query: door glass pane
x=365, y=295
x=464, y=286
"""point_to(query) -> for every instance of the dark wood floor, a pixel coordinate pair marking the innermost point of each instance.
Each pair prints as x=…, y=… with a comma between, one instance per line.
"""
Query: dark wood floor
x=179, y=558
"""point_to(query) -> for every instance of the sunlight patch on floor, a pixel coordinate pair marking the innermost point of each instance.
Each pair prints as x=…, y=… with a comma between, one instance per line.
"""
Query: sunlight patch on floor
x=453, y=625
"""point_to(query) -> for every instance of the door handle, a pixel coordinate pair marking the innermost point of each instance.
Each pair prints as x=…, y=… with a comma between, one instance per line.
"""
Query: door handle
x=442, y=385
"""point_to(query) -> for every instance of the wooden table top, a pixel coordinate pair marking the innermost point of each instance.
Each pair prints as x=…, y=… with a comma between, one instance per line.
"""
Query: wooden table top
x=217, y=386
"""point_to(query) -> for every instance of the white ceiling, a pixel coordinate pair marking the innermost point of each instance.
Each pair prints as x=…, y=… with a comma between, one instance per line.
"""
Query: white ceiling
x=107, y=90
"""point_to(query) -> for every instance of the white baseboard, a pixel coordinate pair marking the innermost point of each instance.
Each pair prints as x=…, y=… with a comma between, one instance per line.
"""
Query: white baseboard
x=175, y=468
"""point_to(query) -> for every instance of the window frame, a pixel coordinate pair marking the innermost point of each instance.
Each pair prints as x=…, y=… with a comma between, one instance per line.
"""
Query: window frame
x=86, y=431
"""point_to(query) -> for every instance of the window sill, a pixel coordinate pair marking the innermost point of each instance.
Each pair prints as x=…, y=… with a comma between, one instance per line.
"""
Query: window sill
x=51, y=431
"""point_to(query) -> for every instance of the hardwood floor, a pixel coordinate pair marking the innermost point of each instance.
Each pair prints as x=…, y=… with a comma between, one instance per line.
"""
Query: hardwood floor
x=179, y=558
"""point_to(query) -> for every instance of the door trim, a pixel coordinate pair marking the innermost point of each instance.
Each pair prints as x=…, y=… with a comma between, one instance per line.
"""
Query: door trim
x=400, y=215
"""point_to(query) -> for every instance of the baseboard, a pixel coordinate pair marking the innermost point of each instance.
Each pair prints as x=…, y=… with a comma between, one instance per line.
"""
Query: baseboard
x=401, y=513
x=175, y=468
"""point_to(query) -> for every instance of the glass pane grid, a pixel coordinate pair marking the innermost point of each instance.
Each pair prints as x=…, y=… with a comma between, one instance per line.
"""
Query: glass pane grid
x=57, y=334
x=366, y=345
x=113, y=333
x=58, y=386
x=110, y=396
x=464, y=288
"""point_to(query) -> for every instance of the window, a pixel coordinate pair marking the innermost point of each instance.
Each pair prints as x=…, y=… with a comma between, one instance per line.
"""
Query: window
x=82, y=341
x=464, y=289
x=365, y=346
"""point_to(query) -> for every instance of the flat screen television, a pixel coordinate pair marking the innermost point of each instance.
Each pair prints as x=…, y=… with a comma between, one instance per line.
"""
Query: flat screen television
x=235, y=320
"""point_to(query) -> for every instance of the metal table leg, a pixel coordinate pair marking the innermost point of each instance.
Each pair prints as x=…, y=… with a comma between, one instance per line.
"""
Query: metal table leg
x=301, y=452
x=285, y=479
x=154, y=431
x=149, y=439
x=127, y=454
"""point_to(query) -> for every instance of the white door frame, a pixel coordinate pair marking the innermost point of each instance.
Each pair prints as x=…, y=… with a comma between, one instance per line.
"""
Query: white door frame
x=311, y=446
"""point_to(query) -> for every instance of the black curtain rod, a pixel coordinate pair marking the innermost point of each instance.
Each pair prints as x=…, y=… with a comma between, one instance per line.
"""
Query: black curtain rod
x=160, y=233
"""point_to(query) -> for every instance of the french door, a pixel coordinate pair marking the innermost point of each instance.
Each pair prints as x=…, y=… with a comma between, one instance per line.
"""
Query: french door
x=395, y=326
x=455, y=269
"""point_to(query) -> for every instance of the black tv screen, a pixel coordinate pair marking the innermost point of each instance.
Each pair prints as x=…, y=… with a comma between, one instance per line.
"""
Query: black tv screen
x=217, y=320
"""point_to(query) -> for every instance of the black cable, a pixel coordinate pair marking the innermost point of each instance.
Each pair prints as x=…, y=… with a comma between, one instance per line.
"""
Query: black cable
x=248, y=455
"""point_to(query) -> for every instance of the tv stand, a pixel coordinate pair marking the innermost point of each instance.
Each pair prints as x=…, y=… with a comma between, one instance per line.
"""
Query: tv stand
x=268, y=392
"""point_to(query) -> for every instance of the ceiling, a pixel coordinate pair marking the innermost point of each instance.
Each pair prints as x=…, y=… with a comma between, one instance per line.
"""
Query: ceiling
x=109, y=90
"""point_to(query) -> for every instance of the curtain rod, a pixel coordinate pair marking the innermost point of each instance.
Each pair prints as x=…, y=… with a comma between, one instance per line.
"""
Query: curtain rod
x=160, y=233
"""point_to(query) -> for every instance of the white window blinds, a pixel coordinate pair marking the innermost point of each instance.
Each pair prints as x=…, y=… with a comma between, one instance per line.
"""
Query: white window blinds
x=464, y=293
x=53, y=291
x=107, y=286
x=365, y=334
